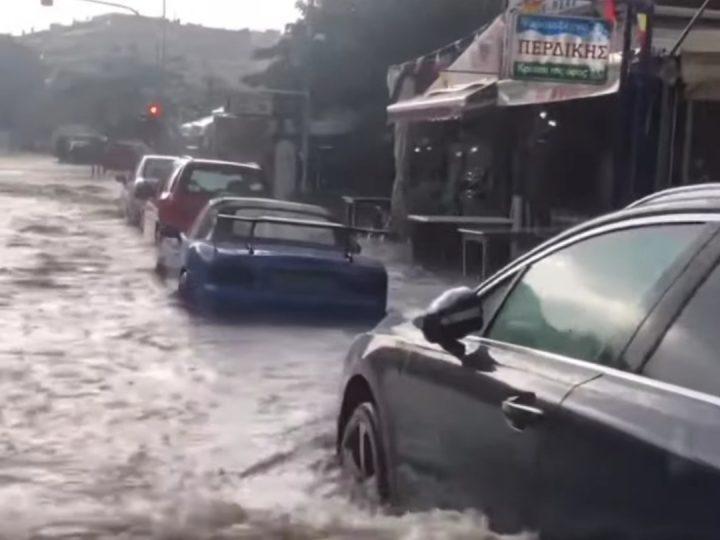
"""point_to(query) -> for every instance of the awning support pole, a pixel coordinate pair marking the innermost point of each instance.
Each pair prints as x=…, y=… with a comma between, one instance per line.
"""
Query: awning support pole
x=687, y=143
x=689, y=27
x=623, y=186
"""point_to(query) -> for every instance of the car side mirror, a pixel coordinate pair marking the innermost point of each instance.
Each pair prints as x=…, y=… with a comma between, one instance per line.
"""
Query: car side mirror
x=451, y=317
x=121, y=178
x=145, y=189
x=168, y=231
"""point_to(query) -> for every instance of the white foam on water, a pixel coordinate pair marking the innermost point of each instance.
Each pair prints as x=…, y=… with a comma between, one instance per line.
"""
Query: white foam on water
x=122, y=416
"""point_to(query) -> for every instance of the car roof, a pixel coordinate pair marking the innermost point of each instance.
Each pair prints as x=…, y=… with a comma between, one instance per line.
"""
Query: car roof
x=271, y=204
x=693, y=199
x=163, y=157
x=664, y=204
x=220, y=162
x=701, y=199
x=679, y=194
x=129, y=142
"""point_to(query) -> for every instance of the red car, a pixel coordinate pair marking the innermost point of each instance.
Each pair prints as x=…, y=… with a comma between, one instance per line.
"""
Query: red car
x=195, y=183
x=124, y=156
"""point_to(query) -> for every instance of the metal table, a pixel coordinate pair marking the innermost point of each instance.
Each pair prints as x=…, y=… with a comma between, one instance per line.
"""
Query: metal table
x=462, y=221
x=352, y=203
x=436, y=240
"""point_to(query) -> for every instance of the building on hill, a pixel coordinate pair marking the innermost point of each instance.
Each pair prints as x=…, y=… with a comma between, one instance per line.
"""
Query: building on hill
x=201, y=54
x=105, y=71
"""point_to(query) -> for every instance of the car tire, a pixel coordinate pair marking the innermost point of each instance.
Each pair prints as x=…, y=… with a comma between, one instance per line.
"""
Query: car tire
x=184, y=288
x=160, y=268
x=362, y=455
x=157, y=238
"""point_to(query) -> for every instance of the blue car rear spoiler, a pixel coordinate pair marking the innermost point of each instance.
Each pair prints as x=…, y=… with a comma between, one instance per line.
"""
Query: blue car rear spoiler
x=328, y=225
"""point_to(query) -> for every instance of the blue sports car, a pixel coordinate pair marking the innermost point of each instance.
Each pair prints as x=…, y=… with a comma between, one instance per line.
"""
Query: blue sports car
x=268, y=255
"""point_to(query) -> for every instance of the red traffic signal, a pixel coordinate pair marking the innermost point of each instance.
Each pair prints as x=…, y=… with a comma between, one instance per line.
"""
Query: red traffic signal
x=155, y=110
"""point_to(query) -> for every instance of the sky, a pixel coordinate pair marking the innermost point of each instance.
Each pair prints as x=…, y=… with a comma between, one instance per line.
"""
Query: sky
x=17, y=16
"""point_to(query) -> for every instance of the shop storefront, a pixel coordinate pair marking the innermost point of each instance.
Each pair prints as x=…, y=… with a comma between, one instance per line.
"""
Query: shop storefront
x=550, y=117
x=699, y=103
x=477, y=141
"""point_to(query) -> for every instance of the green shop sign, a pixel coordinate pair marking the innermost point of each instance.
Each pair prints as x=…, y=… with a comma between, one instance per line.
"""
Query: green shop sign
x=560, y=49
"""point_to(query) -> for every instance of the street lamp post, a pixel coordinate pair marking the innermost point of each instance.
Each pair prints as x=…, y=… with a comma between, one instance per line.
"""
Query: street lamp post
x=163, y=50
x=50, y=3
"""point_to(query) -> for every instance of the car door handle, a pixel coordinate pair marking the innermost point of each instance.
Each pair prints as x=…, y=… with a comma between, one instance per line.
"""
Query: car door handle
x=521, y=413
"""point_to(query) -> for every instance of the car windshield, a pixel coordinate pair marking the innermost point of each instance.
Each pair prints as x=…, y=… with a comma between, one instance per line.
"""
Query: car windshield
x=215, y=180
x=274, y=232
x=159, y=168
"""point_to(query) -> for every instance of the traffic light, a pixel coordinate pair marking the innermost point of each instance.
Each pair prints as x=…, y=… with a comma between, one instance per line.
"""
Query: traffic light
x=155, y=111
x=47, y=3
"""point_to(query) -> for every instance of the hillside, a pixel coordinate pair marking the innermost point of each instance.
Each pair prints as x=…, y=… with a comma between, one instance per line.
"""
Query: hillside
x=200, y=54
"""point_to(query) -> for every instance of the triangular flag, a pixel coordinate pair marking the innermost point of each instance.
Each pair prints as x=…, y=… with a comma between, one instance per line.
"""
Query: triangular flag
x=610, y=11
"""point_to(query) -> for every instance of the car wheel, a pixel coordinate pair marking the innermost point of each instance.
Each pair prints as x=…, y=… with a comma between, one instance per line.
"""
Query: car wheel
x=362, y=455
x=184, y=288
x=158, y=238
x=160, y=268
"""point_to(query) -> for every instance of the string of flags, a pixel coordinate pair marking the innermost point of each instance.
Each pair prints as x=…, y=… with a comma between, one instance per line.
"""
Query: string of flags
x=441, y=58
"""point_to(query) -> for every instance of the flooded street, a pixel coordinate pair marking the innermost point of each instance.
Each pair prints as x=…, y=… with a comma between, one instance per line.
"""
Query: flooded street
x=125, y=417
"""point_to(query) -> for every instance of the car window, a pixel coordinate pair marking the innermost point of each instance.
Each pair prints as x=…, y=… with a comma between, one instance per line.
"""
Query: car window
x=586, y=300
x=158, y=168
x=169, y=182
x=204, y=224
x=491, y=301
x=216, y=180
x=239, y=230
x=688, y=353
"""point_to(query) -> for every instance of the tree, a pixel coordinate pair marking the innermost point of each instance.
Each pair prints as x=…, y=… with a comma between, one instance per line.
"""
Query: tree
x=21, y=82
x=342, y=50
x=346, y=46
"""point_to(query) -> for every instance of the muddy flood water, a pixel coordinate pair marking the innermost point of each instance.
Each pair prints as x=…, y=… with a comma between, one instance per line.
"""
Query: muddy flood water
x=122, y=416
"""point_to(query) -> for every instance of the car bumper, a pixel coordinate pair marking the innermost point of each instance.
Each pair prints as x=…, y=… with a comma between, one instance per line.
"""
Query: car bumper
x=325, y=305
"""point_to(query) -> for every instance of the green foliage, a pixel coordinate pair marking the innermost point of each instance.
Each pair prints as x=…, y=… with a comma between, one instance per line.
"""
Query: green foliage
x=341, y=51
x=21, y=80
x=344, y=47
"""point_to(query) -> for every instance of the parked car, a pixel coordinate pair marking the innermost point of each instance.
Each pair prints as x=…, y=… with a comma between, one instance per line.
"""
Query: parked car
x=576, y=392
x=262, y=254
x=194, y=183
x=150, y=174
x=85, y=150
x=63, y=137
x=124, y=156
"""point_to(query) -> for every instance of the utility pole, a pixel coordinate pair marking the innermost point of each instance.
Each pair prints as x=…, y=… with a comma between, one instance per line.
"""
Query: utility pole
x=622, y=184
x=307, y=102
x=163, y=47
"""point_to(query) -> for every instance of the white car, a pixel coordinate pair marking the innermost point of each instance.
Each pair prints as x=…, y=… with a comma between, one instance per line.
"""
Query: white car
x=151, y=172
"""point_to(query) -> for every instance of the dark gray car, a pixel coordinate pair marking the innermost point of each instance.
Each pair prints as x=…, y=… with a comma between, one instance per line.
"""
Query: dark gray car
x=576, y=392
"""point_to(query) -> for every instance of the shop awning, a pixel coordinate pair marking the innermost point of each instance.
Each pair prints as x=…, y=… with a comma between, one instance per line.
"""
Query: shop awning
x=473, y=81
x=701, y=65
x=445, y=103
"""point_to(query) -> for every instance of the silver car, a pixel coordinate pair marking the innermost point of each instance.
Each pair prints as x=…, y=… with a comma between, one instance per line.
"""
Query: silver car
x=151, y=172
